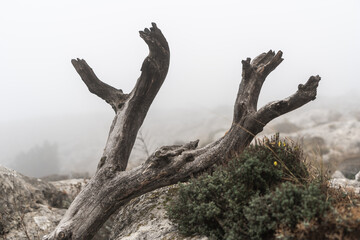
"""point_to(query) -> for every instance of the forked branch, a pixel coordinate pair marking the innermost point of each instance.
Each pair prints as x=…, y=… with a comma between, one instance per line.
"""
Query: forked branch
x=111, y=186
x=110, y=94
x=253, y=76
x=154, y=70
x=304, y=94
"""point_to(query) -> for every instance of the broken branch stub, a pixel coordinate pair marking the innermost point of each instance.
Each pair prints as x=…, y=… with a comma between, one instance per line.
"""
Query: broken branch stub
x=112, y=186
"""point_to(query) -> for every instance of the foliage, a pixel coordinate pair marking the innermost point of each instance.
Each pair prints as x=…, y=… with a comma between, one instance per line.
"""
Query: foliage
x=247, y=198
x=288, y=205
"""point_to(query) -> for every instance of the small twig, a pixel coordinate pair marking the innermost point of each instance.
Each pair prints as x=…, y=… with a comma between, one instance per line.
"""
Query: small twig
x=145, y=146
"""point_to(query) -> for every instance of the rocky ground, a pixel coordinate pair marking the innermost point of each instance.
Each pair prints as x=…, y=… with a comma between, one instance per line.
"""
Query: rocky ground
x=329, y=137
x=145, y=218
x=30, y=207
x=338, y=180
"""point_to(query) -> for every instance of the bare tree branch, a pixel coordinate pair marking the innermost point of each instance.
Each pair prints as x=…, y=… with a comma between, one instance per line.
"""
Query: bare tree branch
x=304, y=94
x=111, y=186
x=110, y=94
x=253, y=77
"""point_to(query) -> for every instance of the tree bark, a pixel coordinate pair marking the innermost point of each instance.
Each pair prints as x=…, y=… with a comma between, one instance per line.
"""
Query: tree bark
x=112, y=186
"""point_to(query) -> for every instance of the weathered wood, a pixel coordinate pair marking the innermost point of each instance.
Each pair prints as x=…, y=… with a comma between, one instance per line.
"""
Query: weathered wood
x=111, y=95
x=112, y=186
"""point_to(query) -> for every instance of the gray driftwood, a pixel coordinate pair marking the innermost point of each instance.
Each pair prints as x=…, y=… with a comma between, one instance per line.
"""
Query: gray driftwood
x=112, y=186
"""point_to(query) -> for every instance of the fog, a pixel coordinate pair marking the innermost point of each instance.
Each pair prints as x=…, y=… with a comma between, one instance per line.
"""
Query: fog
x=45, y=104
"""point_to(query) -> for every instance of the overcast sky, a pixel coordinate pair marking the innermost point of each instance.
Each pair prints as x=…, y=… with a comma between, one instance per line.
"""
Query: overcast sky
x=208, y=40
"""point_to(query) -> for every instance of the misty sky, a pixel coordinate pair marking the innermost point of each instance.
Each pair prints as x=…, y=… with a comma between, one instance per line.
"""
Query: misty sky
x=208, y=40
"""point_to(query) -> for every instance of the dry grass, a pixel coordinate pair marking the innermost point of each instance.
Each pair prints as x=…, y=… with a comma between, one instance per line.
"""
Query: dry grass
x=341, y=223
x=343, y=220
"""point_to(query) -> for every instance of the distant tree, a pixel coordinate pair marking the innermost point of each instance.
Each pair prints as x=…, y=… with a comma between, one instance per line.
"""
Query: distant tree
x=111, y=186
x=38, y=161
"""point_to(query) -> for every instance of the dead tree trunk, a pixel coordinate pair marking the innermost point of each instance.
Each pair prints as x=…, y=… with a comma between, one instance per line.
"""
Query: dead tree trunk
x=112, y=186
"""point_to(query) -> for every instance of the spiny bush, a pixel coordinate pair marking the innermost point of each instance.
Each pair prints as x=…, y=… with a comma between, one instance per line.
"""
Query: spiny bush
x=234, y=199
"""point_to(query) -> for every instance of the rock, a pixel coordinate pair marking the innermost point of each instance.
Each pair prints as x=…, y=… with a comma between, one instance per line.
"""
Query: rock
x=350, y=166
x=337, y=174
x=29, y=207
x=70, y=186
x=340, y=137
x=145, y=218
x=357, y=177
x=339, y=181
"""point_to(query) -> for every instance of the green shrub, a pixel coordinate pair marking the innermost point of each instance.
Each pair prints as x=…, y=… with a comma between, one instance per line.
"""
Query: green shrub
x=228, y=203
x=213, y=205
x=288, y=205
x=288, y=155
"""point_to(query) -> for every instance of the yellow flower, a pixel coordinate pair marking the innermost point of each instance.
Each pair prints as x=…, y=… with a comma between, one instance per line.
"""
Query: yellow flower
x=279, y=143
x=275, y=163
x=284, y=144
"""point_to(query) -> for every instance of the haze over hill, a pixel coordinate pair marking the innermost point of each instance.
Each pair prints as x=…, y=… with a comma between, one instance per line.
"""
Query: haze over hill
x=74, y=143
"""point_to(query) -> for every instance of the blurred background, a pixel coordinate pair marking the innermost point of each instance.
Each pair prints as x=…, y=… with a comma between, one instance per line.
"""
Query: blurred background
x=51, y=124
